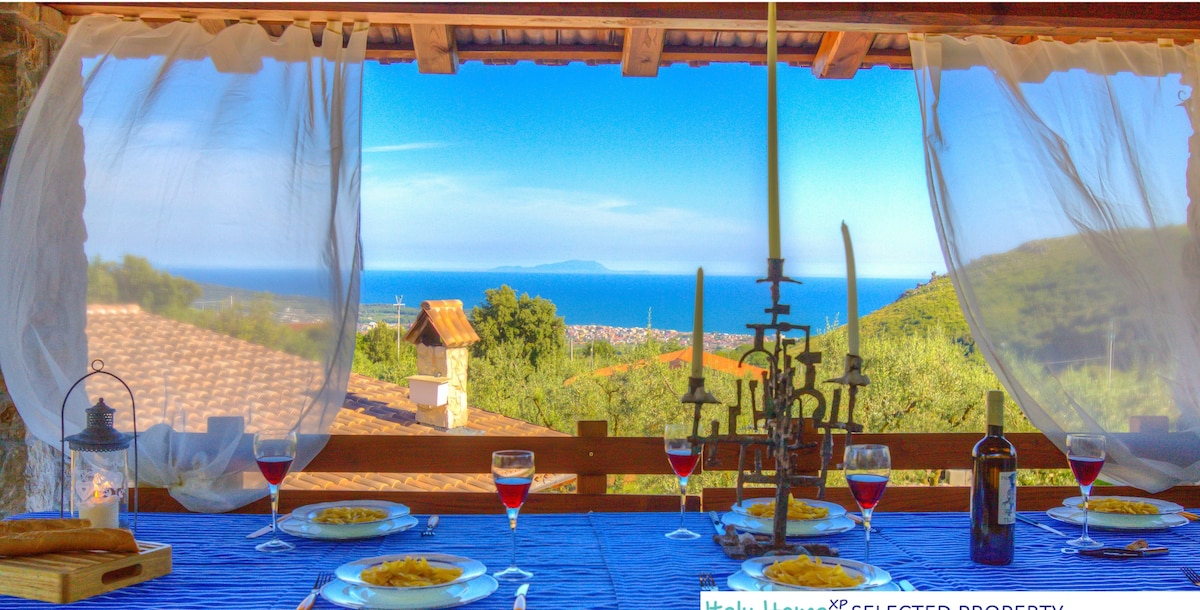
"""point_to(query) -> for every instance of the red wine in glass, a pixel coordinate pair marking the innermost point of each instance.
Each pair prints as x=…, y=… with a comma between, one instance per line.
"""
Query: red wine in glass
x=274, y=451
x=867, y=489
x=683, y=458
x=1086, y=469
x=512, y=472
x=683, y=462
x=867, y=468
x=513, y=490
x=1085, y=454
x=274, y=468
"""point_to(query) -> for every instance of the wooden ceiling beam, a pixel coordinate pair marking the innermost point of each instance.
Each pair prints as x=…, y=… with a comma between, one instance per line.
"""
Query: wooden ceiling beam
x=435, y=47
x=212, y=26
x=841, y=54
x=896, y=58
x=1179, y=21
x=642, y=51
x=388, y=33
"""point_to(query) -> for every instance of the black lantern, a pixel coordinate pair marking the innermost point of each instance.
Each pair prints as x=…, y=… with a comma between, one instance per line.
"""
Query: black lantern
x=99, y=482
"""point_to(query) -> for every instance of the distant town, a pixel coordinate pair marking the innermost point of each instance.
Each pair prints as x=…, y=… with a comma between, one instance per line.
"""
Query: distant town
x=301, y=314
x=584, y=333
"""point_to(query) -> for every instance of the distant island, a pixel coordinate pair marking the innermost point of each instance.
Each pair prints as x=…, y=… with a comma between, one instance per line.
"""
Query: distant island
x=563, y=267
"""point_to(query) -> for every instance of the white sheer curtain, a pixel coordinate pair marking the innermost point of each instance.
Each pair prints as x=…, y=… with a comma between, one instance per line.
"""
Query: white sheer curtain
x=1061, y=183
x=185, y=207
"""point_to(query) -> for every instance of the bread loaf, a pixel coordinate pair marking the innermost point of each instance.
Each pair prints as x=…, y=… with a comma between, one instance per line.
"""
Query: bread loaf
x=41, y=525
x=62, y=540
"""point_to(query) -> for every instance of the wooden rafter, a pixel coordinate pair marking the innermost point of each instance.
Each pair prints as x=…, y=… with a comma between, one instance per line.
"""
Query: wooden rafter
x=607, y=54
x=387, y=34
x=897, y=58
x=1180, y=21
x=659, y=33
x=642, y=51
x=841, y=54
x=212, y=26
x=435, y=48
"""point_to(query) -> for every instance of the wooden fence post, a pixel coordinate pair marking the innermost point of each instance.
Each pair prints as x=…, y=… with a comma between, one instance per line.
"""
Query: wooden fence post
x=592, y=483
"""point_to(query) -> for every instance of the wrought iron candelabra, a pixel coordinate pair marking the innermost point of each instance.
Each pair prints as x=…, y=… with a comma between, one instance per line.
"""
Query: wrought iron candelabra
x=787, y=385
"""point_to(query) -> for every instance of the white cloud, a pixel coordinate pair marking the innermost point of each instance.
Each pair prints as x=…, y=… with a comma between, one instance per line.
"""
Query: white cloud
x=475, y=221
x=403, y=147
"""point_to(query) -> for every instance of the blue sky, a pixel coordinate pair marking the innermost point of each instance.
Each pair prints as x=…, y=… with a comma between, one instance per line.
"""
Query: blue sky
x=528, y=164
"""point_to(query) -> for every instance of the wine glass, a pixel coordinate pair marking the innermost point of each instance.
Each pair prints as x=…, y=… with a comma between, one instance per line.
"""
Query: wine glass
x=867, y=470
x=274, y=451
x=512, y=471
x=1085, y=453
x=683, y=457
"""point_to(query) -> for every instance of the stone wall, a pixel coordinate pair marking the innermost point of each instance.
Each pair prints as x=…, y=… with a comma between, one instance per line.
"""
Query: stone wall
x=456, y=369
x=30, y=37
x=451, y=363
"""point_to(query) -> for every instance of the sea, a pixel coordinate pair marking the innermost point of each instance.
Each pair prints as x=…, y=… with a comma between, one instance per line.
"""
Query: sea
x=625, y=300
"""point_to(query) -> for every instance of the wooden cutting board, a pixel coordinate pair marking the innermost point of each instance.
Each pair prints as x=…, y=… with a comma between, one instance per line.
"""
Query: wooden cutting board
x=67, y=577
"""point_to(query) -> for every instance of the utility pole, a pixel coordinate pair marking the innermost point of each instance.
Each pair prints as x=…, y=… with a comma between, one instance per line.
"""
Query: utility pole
x=649, y=324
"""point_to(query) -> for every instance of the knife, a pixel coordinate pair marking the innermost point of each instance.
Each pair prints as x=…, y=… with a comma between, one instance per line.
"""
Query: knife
x=265, y=529
x=716, y=521
x=1024, y=519
x=519, y=602
x=1119, y=553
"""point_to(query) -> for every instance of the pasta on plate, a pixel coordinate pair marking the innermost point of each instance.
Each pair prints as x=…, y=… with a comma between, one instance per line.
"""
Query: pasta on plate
x=1121, y=507
x=341, y=515
x=409, y=572
x=798, y=510
x=805, y=571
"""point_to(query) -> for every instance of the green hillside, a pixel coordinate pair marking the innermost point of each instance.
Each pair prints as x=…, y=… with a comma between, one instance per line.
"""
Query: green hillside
x=926, y=375
x=1069, y=304
x=933, y=305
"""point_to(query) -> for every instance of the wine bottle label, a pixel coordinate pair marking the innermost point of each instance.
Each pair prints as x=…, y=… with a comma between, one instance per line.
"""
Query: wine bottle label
x=1006, y=513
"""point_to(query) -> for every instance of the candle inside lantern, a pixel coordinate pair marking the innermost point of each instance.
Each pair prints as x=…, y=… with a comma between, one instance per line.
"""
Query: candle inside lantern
x=103, y=507
x=772, y=141
x=851, y=294
x=698, y=327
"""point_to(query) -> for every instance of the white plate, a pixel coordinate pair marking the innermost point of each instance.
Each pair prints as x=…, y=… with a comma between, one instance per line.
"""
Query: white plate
x=872, y=576
x=1110, y=521
x=348, y=595
x=310, y=512
x=797, y=529
x=353, y=531
x=741, y=581
x=835, y=510
x=1164, y=507
x=471, y=569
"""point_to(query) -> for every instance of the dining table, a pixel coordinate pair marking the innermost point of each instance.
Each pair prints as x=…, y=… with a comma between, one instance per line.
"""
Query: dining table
x=617, y=560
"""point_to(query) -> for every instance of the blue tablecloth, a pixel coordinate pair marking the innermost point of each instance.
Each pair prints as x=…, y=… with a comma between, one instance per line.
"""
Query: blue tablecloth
x=615, y=560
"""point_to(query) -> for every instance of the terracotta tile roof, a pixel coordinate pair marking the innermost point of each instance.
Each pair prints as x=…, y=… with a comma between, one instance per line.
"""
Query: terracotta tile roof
x=678, y=358
x=385, y=409
x=182, y=375
x=714, y=362
x=447, y=320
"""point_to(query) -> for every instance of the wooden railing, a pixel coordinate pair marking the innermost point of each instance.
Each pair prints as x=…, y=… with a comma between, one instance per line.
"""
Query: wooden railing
x=593, y=456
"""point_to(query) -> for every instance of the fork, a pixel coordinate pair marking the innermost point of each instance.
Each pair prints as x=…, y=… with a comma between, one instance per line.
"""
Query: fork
x=432, y=523
x=1192, y=576
x=322, y=580
x=707, y=583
